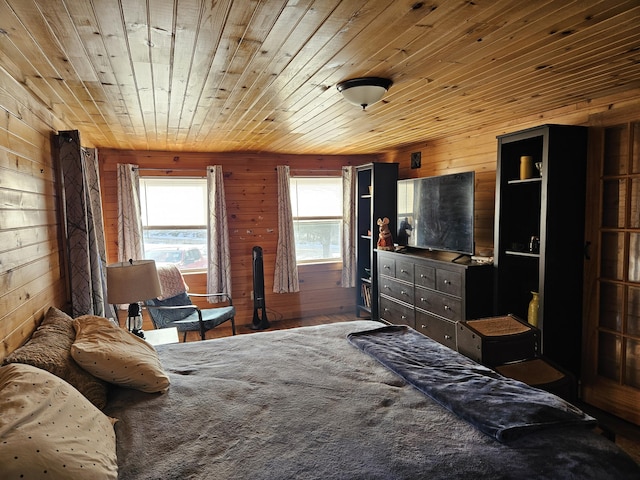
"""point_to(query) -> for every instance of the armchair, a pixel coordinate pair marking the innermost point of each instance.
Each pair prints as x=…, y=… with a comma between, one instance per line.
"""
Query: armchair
x=175, y=308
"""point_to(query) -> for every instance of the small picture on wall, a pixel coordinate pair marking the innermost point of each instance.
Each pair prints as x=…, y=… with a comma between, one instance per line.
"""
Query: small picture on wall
x=416, y=159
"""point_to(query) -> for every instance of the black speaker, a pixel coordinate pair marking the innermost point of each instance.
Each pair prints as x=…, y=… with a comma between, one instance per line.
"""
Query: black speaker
x=259, y=323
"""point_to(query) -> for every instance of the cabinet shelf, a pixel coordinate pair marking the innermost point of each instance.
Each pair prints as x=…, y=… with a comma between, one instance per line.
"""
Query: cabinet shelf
x=365, y=309
x=522, y=254
x=528, y=180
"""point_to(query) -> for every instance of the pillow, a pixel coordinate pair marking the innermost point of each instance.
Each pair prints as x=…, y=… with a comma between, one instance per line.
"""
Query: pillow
x=117, y=356
x=50, y=430
x=49, y=349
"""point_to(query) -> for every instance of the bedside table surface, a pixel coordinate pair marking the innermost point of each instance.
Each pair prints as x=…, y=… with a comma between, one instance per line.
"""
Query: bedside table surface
x=161, y=336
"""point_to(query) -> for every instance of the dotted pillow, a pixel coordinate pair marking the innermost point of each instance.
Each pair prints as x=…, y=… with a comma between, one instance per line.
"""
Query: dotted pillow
x=49, y=348
x=117, y=356
x=50, y=430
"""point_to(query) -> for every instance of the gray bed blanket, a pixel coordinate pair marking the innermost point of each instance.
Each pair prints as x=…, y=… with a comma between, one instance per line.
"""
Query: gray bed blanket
x=501, y=407
x=306, y=404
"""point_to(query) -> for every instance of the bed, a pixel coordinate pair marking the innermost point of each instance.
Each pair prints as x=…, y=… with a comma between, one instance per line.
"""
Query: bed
x=337, y=402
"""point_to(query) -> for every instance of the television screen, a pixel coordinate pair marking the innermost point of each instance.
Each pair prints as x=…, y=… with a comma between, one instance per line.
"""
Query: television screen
x=436, y=213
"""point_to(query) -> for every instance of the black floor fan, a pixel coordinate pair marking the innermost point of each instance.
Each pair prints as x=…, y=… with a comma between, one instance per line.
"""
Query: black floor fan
x=259, y=323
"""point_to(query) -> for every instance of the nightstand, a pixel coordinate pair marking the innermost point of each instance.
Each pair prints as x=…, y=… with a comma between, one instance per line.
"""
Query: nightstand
x=161, y=336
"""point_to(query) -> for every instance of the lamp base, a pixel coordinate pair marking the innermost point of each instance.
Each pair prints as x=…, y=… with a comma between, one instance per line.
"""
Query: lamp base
x=134, y=320
x=138, y=333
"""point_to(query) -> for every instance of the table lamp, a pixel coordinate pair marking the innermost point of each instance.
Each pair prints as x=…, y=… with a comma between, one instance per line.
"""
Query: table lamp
x=132, y=282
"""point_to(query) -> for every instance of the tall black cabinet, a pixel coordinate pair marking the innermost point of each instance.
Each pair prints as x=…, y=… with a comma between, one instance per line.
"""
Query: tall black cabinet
x=549, y=207
x=376, y=187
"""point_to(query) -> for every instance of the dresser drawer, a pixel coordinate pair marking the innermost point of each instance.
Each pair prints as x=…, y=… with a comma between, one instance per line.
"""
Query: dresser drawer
x=386, y=266
x=404, y=270
x=396, y=289
x=425, y=276
x=442, y=305
x=449, y=282
x=396, y=313
x=439, y=329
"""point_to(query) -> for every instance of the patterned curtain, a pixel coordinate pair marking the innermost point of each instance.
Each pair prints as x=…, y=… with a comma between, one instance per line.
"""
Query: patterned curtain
x=130, y=245
x=219, y=265
x=83, y=226
x=348, y=217
x=285, y=278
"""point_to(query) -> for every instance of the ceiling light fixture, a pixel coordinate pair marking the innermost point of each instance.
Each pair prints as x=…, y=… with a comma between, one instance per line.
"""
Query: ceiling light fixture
x=364, y=91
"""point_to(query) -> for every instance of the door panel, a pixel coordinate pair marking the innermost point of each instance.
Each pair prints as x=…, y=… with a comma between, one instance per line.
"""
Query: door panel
x=611, y=368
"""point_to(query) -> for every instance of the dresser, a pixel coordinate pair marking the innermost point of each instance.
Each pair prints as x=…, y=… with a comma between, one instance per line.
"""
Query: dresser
x=431, y=291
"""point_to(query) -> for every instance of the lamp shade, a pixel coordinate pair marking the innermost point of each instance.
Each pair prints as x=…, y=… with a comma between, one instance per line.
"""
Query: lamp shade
x=132, y=281
x=364, y=91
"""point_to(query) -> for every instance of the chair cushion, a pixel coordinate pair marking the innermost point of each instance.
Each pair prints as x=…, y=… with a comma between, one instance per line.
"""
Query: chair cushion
x=211, y=317
x=162, y=318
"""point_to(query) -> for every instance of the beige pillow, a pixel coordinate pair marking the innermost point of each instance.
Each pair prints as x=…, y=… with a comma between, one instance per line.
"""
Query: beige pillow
x=49, y=348
x=117, y=356
x=50, y=430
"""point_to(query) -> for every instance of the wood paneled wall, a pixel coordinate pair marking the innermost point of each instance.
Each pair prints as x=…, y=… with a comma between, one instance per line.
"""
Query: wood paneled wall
x=251, y=196
x=31, y=270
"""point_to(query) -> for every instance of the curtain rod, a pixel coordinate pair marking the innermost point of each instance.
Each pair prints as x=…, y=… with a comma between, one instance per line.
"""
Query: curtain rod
x=182, y=169
x=169, y=169
x=315, y=170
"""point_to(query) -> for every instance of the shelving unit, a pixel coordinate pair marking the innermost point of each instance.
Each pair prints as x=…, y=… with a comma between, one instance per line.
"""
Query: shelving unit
x=376, y=187
x=549, y=206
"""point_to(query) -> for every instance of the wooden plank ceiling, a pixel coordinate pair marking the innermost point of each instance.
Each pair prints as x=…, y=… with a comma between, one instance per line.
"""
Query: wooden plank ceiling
x=261, y=75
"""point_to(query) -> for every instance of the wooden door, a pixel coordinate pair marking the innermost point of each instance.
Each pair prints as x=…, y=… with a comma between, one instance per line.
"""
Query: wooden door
x=611, y=369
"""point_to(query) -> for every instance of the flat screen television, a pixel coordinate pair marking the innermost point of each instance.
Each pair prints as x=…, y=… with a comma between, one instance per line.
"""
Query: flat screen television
x=436, y=213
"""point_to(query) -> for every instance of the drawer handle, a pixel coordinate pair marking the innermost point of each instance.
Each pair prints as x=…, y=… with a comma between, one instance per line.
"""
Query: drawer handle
x=386, y=287
x=386, y=309
x=402, y=270
x=402, y=292
x=403, y=317
x=422, y=275
x=422, y=299
x=423, y=326
x=447, y=307
x=447, y=337
x=447, y=282
x=387, y=267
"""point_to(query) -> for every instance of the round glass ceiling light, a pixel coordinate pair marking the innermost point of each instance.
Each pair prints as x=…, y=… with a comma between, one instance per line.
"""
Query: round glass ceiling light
x=364, y=91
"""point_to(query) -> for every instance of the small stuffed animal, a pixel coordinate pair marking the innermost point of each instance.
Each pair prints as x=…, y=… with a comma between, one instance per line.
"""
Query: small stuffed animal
x=385, y=240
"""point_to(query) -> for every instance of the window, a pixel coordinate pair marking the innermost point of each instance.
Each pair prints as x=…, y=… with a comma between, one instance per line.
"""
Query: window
x=316, y=205
x=174, y=220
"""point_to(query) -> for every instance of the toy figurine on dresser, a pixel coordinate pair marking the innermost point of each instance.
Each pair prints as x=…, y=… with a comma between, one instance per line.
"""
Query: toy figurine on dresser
x=385, y=240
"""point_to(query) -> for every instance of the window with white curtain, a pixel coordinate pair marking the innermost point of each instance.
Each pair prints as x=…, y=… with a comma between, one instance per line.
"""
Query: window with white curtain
x=316, y=205
x=174, y=220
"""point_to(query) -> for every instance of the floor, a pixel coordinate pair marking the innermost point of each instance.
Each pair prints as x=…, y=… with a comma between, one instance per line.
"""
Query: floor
x=625, y=434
